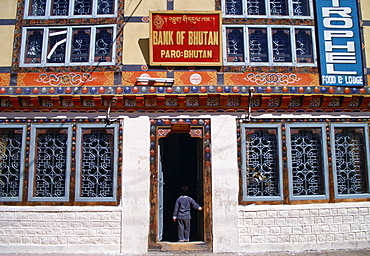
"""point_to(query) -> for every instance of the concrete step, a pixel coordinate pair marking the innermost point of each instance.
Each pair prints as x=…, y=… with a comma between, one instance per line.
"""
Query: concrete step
x=183, y=246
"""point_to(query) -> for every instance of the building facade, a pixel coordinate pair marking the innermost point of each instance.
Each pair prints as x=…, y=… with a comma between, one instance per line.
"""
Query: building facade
x=108, y=107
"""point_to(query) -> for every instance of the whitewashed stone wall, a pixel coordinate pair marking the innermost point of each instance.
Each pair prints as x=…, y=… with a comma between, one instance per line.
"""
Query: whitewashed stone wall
x=60, y=229
x=304, y=227
x=90, y=229
x=124, y=229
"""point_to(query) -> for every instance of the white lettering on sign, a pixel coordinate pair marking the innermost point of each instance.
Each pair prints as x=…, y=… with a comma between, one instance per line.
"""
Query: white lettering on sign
x=340, y=19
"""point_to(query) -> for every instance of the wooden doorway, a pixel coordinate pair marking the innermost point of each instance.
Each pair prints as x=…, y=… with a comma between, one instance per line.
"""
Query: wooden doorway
x=182, y=158
x=181, y=162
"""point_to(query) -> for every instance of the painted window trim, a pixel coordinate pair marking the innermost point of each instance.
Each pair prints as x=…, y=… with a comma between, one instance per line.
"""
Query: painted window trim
x=32, y=166
x=78, y=163
x=70, y=11
x=22, y=162
x=270, y=50
x=268, y=16
x=280, y=166
x=367, y=149
x=325, y=161
x=67, y=62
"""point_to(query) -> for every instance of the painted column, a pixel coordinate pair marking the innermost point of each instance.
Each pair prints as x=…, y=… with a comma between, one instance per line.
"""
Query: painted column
x=225, y=184
x=135, y=185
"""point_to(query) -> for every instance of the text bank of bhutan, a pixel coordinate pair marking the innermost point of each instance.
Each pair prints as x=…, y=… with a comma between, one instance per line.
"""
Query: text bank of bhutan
x=185, y=37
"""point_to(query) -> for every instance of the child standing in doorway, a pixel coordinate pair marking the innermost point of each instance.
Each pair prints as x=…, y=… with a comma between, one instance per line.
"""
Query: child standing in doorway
x=181, y=214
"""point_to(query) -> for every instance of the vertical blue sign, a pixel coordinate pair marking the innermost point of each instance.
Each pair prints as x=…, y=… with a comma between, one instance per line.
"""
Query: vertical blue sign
x=340, y=45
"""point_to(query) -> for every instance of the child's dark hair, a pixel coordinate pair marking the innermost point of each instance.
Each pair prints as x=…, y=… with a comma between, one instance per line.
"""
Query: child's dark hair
x=184, y=190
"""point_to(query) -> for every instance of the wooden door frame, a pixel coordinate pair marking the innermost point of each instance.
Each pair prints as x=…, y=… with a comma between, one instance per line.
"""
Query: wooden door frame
x=161, y=128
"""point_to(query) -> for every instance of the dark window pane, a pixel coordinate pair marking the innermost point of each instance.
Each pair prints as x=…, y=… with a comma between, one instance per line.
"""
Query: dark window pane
x=258, y=51
x=234, y=7
x=83, y=7
x=57, y=46
x=256, y=7
x=301, y=8
x=37, y=8
x=281, y=45
x=59, y=7
x=303, y=41
x=279, y=7
x=105, y=7
x=33, y=46
x=80, y=45
x=235, y=44
x=103, y=45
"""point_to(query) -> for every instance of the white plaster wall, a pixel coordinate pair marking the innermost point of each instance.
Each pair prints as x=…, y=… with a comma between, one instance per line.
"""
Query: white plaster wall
x=60, y=229
x=225, y=182
x=304, y=227
x=135, y=185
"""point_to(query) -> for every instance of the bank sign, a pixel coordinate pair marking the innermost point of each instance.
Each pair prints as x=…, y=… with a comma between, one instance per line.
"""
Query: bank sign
x=185, y=38
x=340, y=45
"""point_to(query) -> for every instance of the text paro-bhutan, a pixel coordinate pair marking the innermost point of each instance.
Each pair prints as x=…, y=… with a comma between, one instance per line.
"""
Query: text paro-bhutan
x=193, y=37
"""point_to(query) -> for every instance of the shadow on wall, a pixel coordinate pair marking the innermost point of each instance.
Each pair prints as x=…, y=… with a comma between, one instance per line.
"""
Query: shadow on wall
x=144, y=47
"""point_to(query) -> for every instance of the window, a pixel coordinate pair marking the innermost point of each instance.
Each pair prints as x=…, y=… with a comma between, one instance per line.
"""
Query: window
x=268, y=8
x=307, y=161
x=48, y=9
x=77, y=45
x=12, y=153
x=61, y=157
x=97, y=161
x=269, y=45
x=297, y=158
x=350, y=153
x=262, y=162
x=50, y=163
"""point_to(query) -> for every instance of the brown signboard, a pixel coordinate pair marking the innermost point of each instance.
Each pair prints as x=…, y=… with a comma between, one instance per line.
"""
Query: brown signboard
x=180, y=128
x=185, y=38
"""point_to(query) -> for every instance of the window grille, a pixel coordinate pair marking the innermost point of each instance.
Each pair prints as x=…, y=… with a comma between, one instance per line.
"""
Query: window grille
x=97, y=162
x=235, y=44
x=258, y=50
x=350, y=152
x=282, y=51
x=296, y=9
x=233, y=7
x=62, y=9
x=51, y=46
x=12, y=155
x=301, y=7
x=278, y=7
x=256, y=7
x=50, y=163
x=307, y=161
x=269, y=45
x=303, y=46
x=262, y=162
x=51, y=154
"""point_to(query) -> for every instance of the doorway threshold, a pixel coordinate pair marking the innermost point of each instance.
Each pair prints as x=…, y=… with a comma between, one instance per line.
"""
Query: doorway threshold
x=184, y=246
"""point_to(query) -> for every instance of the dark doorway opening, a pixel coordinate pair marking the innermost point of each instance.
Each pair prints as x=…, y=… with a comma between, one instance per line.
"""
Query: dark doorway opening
x=182, y=165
